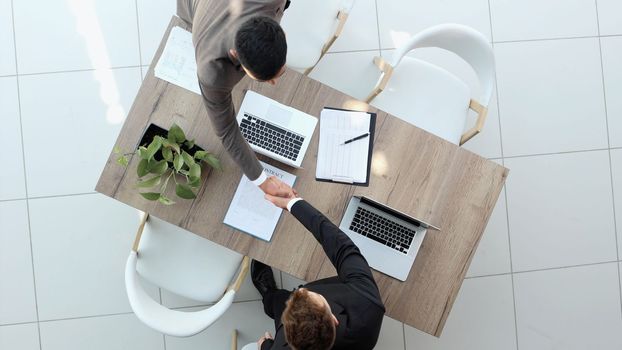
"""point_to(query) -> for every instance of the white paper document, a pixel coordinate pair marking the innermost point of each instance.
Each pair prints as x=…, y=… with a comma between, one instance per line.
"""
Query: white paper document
x=177, y=64
x=250, y=212
x=339, y=162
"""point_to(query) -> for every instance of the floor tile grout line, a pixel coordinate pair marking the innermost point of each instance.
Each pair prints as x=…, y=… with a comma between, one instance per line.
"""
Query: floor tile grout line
x=532, y=40
x=77, y=70
x=17, y=323
x=545, y=269
x=546, y=39
x=378, y=27
x=86, y=317
x=505, y=192
x=21, y=131
x=613, y=198
x=404, y=334
x=62, y=195
x=557, y=153
x=352, y=51
x=140, y=57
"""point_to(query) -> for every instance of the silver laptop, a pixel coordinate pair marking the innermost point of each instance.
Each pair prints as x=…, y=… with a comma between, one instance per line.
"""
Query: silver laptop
x=387, y=238
x=274, y=129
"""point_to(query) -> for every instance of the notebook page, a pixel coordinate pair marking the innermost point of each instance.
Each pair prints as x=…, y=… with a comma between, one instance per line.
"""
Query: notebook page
x=337, y=161
x=250, y=212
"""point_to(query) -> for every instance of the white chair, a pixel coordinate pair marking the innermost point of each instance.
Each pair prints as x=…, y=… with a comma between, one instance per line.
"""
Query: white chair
x=430, y=97
x=311, y=27
x=187, y=265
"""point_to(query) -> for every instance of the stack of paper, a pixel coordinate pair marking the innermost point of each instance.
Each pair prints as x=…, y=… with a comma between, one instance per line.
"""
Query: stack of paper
x=339, y=162
x=177, y=64
x=250, y=212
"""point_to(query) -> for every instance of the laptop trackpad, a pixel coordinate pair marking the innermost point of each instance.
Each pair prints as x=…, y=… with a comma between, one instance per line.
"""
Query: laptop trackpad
x=279, y=115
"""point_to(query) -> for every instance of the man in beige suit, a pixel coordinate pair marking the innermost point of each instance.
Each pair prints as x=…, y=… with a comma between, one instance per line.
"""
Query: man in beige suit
x=233, y=38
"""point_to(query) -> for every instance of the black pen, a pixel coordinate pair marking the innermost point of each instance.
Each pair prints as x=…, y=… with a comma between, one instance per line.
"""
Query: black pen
x=356, y=138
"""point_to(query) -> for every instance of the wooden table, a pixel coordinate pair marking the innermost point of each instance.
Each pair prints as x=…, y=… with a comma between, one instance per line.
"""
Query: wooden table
x=412, y=171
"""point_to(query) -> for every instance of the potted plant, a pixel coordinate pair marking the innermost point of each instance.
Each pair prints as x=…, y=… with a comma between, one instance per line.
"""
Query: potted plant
x=166, y=155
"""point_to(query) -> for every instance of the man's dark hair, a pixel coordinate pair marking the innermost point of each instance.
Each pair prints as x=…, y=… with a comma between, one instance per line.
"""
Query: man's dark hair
x=260, y=43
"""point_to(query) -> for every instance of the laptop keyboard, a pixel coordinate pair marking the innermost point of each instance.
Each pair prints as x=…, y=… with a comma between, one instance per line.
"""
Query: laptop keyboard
x=271, y=137
x=382, y=230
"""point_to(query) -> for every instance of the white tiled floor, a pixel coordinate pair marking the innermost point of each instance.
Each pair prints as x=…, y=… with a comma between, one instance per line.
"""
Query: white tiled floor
x=547, y=271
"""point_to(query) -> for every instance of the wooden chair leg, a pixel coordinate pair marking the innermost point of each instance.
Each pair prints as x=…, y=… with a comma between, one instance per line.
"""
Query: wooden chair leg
x=234, y=340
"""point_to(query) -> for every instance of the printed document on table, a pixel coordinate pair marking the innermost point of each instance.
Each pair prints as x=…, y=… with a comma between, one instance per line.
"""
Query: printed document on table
x=177, y=64
x=250, y=212
x=339, y=162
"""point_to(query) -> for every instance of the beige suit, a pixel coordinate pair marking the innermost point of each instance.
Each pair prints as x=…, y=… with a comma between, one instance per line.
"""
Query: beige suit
x=214, y=24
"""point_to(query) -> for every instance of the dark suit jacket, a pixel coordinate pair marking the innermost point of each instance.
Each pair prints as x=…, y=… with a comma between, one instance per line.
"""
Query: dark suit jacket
x=352, y=295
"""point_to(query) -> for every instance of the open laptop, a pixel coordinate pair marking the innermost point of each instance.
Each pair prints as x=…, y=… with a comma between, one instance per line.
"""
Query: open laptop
x=274, y=129
x=387, y=238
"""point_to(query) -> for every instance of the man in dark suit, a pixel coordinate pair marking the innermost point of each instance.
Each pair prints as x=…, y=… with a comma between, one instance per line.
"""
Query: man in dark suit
x=341, y=312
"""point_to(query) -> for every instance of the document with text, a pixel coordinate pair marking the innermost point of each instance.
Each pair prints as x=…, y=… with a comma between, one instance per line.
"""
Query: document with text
x=177, y=64
x=341, y=162
x=250, y=212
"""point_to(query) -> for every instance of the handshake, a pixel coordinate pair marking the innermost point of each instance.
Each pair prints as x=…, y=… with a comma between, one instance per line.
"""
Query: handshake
x=278, y=192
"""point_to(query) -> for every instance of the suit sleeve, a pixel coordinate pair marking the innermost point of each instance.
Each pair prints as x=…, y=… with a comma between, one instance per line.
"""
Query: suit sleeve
x=220, y=110
x=351, y=266
x=267, y=344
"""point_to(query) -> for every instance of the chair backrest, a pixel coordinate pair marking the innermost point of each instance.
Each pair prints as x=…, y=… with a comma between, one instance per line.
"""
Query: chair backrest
x=164, y=320
x=311, y=28
x=466, y=42
x=184, y=263
x=322, y=19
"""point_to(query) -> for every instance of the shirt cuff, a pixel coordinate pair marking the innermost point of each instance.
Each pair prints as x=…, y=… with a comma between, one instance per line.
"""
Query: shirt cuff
x=262, y=177
x=291, y=203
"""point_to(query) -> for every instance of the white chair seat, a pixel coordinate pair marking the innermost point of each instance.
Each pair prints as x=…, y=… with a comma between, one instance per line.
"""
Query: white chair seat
x=184, y=263
x=162, y=319
x=428, y=97
x=308, y=25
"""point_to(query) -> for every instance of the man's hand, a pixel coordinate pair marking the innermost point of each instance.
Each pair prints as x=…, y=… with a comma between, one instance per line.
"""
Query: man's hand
x=262, y=339
x=280, y=202
x=275, y=187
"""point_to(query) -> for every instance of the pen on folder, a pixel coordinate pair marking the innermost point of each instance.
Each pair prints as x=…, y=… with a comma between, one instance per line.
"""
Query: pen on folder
x=356, y=138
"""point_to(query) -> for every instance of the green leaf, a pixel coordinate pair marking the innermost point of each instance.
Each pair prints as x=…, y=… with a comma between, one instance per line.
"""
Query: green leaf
x=150, y=196
x=195, y=182
x=185, y=172
x=168, y=144
x=187, y=158
x=200, y=155
x=189, y=143
x=195, y=171
x=122, y=160
x=178, y=162
x=153, y=147
x=167, y=154
x=159, y=167
x=165, y=200
x=213, y=161
x=116, y=150
x=183, y=191
x=141, y=169
x=154, y=181
x=142, y=152
x=175, y=134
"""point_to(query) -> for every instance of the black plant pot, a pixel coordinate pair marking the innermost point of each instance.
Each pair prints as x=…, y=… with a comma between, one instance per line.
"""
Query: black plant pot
x=154, y=130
